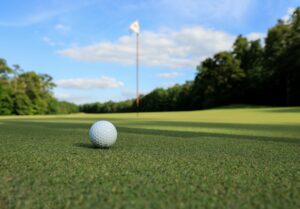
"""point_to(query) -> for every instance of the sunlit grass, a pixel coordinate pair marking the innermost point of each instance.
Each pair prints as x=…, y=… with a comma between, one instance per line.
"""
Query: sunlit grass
x=222, y=158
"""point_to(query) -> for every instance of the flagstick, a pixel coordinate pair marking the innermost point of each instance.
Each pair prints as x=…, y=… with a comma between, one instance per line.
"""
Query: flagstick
x=137, y=74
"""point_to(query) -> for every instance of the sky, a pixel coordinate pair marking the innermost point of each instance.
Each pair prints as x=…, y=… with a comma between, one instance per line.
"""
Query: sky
x=88, y=49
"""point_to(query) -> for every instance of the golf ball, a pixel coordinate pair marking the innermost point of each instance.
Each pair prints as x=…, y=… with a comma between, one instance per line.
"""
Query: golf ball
x=103, y=134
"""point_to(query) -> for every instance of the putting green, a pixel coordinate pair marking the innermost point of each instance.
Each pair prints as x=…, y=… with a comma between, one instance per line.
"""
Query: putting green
x=220, y=158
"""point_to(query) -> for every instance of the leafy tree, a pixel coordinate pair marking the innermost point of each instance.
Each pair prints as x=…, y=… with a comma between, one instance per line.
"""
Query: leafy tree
x=63, y=107
x=36, y=88
x=6, y=103
x=276, y=43
x=26, y=93
x=185, y=96
x=218, y=80
x=250, y=54
x=157, y=100
x=282, y=61
x=5, y=70
x=241, y=51
x=291, y=61
x=22, y=104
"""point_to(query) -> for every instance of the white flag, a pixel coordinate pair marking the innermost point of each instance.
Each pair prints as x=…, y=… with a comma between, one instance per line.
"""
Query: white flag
x=135, y=27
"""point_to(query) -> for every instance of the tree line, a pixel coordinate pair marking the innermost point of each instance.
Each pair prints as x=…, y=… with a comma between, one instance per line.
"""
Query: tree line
x=174, y=98
x=252, y=72
x=28, y=93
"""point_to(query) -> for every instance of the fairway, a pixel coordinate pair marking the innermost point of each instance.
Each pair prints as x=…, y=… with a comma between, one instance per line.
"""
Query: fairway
x=220, y=158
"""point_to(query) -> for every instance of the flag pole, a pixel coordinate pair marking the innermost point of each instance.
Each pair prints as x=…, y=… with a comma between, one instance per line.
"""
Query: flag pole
x=137, y=74
x=135, y=27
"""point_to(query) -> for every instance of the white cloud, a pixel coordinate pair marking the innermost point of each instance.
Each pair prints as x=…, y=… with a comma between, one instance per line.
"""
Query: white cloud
x=287, y=17
x=103, y=82
x=49, y=41
x=62, y=28
x=256, y=36
x=75, y=98
x=168, y=75
x=166, y=48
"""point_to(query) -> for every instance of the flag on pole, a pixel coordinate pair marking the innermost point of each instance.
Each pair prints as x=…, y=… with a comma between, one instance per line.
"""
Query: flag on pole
x=135, y=27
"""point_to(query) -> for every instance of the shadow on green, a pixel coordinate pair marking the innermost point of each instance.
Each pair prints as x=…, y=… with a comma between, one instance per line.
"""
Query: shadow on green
x=89, y=146
x=286, y=110
x=187, y=134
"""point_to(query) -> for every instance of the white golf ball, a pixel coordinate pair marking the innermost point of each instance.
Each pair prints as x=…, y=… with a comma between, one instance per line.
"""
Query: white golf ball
x=103, y=134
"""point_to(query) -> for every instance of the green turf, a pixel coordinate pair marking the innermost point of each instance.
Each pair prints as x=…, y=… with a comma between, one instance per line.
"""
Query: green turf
x=223, y=158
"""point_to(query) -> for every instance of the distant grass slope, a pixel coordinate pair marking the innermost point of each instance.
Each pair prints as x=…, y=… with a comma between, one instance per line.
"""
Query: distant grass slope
x=221, y=158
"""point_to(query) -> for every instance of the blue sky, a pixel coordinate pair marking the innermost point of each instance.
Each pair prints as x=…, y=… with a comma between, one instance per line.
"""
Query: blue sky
x=87, y=48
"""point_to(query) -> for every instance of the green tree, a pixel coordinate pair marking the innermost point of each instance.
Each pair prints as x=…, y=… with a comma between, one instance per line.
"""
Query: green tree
x=276, y=43
x=250, y=55
x=157, y=100
x=218, y=80
x=173, y=94
x=22, y=104
x=5, y=70
x=291, y=61
x=32, y=94
x=184, y=101
x=6, y=103
x=282, y=61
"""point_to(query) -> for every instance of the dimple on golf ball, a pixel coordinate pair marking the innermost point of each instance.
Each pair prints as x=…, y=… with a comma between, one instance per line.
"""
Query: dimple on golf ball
x=103, y=134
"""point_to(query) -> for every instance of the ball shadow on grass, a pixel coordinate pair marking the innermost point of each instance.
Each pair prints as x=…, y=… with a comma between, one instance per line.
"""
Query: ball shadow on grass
x=89, y=146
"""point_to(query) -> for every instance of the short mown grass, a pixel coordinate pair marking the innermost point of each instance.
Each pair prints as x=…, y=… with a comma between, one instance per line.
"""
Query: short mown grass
x=222, y=158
